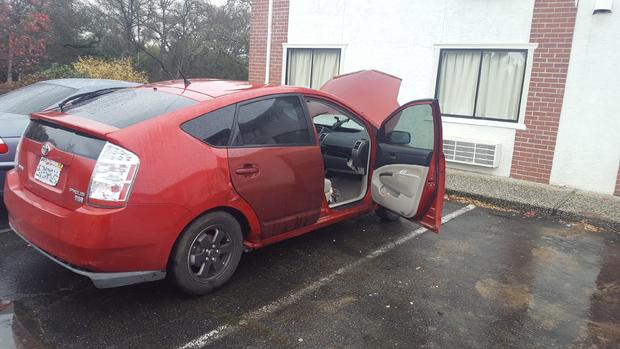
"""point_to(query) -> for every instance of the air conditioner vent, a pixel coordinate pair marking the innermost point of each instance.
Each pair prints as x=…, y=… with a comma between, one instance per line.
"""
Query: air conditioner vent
x=472, y=152
x=357, y=144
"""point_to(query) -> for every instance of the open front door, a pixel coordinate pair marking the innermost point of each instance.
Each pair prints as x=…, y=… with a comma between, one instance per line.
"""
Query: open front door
x=409, y=170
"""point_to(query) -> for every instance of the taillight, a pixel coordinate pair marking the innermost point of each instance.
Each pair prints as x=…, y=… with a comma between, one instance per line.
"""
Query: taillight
x=113, y=176
x=3, y=147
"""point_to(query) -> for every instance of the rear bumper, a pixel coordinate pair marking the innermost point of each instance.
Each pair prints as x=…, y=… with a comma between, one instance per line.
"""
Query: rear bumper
x=104, y=280
x=113, y=247
x=4, y=168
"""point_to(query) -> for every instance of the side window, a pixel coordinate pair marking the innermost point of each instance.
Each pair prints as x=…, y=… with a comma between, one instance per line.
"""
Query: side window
x=412, y=127
x=273, y=121
x=213, y=128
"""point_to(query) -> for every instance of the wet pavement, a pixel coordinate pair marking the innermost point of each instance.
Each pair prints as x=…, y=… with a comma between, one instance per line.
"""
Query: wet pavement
x=492, y=278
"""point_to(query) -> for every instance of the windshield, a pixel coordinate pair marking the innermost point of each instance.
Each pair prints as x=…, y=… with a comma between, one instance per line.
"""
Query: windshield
x=36, y=97
x=126, y=107
x=330, y=120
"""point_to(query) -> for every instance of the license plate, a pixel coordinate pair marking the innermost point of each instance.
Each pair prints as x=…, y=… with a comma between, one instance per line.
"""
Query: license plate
x=48, y=171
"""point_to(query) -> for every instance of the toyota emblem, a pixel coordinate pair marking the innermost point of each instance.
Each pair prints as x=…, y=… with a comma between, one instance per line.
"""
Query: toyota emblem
x=45, y=149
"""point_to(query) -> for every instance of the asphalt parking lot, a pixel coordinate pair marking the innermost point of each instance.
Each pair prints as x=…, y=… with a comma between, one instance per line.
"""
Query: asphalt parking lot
x=492, y=278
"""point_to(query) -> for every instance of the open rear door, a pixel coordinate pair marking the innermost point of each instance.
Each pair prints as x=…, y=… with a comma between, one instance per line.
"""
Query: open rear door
x=409, y=171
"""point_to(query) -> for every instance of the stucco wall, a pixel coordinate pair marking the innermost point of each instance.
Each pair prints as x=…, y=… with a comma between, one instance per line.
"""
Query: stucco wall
x=588, y=145
x=400, y=37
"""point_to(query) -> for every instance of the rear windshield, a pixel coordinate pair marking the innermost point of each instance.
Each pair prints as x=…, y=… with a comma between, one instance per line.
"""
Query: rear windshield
x=36, y=97
x=64, y=139
x=130, y=106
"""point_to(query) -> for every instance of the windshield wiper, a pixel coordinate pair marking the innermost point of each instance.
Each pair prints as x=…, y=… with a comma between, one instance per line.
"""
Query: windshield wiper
x=339, y=123
x=81, y=97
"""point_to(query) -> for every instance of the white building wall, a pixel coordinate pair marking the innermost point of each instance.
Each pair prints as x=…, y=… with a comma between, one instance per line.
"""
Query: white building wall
x=402, y=37
x=588, y=145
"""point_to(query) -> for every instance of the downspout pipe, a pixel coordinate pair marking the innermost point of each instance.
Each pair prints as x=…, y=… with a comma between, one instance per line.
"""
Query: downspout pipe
x=268, y=55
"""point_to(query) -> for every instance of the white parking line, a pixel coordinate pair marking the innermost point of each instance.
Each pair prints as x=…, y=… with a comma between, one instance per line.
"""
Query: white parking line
x=260, y=313
x=5, y=230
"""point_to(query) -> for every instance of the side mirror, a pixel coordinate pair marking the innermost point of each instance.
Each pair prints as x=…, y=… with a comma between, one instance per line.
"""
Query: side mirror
x=399, y=137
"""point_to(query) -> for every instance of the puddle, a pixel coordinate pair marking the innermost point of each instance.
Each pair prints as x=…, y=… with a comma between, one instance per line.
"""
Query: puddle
x=548, y=314
x=552, y=256
x=6, y=325
x=12, y=334
x=509, y=295
x=599, y=335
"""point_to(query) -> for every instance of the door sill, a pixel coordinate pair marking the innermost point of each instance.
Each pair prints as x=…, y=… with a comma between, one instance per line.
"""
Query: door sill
x=347, y=204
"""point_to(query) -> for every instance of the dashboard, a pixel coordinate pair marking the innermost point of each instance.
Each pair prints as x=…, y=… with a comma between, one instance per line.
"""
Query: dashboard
x=345, y=149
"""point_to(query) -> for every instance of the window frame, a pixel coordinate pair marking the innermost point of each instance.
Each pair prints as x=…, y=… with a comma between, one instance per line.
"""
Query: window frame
x=287, y=46
x=312, y=134
x=481, y=50
x=422, y=102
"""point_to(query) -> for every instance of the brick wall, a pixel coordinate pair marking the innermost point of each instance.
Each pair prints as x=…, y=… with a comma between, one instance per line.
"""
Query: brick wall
x=258, y=39
x=553, y=23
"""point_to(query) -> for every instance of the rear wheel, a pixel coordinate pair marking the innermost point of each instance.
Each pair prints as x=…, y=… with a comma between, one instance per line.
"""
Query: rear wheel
x=207, y=254
x=386, y=215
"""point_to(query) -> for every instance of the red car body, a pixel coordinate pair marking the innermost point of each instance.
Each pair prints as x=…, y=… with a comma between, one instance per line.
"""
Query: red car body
x=274, y=192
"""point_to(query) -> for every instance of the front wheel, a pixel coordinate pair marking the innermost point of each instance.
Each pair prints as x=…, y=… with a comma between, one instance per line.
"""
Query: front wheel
x=386, y=215
x=207, y=254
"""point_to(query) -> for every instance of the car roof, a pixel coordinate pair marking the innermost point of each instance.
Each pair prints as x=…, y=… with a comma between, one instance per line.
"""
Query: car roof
x=80, y=83
x=211, y=87
x=372, y=94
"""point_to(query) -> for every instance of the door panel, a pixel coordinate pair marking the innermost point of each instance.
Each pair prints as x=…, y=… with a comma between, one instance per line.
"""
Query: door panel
x=409, y=173
x=276, y=163
x=284, y=185
x=400, y=187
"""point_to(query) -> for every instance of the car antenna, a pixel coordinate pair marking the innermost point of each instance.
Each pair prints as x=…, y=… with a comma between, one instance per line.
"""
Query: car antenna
x=161, y=64
x=186, y=82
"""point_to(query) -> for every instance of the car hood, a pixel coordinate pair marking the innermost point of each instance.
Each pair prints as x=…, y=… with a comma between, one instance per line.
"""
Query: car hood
x=13, y=125
x=372, y=93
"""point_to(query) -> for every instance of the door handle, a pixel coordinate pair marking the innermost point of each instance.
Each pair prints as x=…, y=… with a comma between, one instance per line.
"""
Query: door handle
x=247, y=170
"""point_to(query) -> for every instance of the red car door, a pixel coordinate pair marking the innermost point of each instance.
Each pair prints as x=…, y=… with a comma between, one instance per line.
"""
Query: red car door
x=409, y=172
x=276, y=163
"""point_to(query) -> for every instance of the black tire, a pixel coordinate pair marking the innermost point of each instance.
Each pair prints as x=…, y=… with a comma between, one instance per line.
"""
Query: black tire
x=200, y=262
x=386, y=215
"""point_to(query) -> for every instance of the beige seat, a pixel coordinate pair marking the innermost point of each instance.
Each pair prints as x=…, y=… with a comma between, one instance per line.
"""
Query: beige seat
x=329, y=192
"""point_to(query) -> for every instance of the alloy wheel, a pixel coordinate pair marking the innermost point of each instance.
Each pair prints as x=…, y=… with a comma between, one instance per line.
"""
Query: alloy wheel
x=209, y=253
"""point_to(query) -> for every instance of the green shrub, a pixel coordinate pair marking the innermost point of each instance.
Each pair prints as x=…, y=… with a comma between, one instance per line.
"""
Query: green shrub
x=84, y=67
x=116, y=69
x=61, y=71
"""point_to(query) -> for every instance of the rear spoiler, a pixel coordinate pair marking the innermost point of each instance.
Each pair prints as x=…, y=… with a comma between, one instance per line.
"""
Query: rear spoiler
x=81, y=125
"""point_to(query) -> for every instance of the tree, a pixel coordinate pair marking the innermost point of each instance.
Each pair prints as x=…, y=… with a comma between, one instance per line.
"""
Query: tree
x=173, y=36
x=23, y=34
x=72, y=32
x=164, y=38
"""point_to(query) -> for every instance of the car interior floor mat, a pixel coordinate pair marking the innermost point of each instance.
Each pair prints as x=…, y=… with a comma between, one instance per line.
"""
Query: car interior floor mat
x=346, y=187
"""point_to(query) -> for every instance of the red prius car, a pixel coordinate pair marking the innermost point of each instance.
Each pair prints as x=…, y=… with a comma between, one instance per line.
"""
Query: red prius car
x=168, y=180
